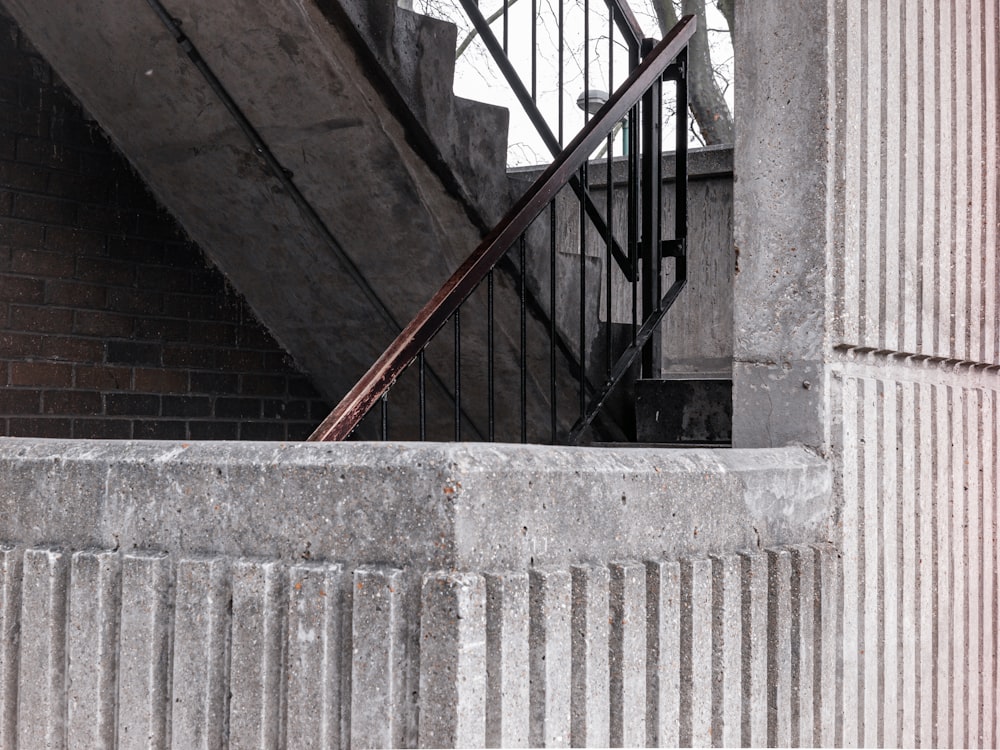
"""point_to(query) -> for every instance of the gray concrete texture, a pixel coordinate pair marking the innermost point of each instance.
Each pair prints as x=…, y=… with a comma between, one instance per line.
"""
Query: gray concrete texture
x=867, y=216
x=375, y=595
x=463, y=506
x=268, y=654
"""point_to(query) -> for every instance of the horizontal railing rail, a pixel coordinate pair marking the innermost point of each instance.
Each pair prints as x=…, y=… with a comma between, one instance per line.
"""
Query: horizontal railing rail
x=640, y=92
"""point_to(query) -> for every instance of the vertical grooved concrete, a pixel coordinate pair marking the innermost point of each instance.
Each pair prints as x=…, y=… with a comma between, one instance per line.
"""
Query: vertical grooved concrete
x=663, y=655
x=144, y=652
x=550, y=651
x=453, y=656
x=257, y=651
x=10, y=640
x=507, y=695
x=200, y=670
x=803, y=640
x=596, y=660
x=378, y=658
x=727, y=643
x=826, y=676
x=696, y=653
x=628, y=654
x=754, y=614
x=41, y=693
x=779, y=653
x=94, y=593
x=315, y=656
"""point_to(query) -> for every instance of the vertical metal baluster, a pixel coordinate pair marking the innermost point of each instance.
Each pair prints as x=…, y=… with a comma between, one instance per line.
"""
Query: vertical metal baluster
x=534, y=50
x=524, y=358
x=552, y=318
x=681, y=173
x=609, y=204
x=506, y=7
x=422, y=395
x=458, y=375
x=384, y=401
x=633, y=212
x=583, y=296
x=489, y=358
x=560, y=75
x=657, y=245
x=586, y=62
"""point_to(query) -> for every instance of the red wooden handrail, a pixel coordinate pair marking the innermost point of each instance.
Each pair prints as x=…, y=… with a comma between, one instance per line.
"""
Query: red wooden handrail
x=342, y=421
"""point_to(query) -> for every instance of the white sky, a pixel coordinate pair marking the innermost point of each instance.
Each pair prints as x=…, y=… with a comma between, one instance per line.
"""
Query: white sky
x=476, y=75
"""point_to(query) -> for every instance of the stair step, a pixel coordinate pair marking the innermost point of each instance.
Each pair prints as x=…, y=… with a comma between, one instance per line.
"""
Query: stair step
x=685, y=412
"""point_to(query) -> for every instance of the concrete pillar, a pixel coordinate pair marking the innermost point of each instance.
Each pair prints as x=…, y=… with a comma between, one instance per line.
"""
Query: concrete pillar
x=593, y=724
x=507, y=660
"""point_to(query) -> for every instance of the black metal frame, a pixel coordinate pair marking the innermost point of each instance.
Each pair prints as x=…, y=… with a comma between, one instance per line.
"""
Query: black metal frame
x=640, y=99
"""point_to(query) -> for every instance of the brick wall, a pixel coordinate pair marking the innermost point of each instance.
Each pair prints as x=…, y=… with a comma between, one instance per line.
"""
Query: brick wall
x=112, y=325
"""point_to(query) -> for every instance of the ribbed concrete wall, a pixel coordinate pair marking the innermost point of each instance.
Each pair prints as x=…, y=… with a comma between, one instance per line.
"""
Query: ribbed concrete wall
x=870, y=228
x=915, y=272
x=142, y=649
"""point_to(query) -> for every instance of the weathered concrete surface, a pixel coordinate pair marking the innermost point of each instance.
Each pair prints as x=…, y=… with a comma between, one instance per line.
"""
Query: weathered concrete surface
x=329, y=121
x=696, y=337
x=465, y=506
x=866, y=308
x=387, y=595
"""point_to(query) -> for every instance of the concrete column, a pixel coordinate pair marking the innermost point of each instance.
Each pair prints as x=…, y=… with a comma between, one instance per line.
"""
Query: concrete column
x=315, y=662
x=453, y=661
x=550, y=652
x=591, y=653
x=10, y=626
x=144, y=652
x=92, y=684
x=727, y=645
x=628, y=654
x=41, y=689
x=507, y=660
x=663, y=660
x=696, y=653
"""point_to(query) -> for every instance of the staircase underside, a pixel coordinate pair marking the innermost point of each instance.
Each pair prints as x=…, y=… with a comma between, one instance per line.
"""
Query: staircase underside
x=373, y=163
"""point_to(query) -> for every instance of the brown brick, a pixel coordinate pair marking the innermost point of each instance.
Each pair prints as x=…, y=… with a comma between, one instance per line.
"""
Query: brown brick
x=132, y=404
x=21, y=345
x=202, y=358
x=75, y=241
x=263, y=431
x=49, y=154
x=186, y=406
x=39, y=263
x=160, y=381
x=140, y=301
x=237, y=408
x=165, y=278
x=72, y=403
x=103, y=378
x=219, y=334
x=77, y=186
x=104, y=271
x=133, y=353
x=72, y=348
x=23, y=176
x=263, y=385
x=21, y=289
x=17, y=401
x=73, y=294
x=240, y=360
x=41, y=319
x=102, y=429
x=20, y=234
x=47, y=210
x=159, y=429
x=135, y=250
x=41, y=374
x=214, y=382
x=102, y=218
x=41, y=427
x=162, y=329
x=213, y=430
x=102, y=324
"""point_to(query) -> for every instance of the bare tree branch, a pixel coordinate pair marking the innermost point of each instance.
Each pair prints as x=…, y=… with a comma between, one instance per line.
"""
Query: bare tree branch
x=728, y=10
x=708, y=105
x=472, y=34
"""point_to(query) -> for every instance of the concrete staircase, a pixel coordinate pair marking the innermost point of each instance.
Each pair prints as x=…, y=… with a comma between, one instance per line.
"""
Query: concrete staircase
x=369, y=183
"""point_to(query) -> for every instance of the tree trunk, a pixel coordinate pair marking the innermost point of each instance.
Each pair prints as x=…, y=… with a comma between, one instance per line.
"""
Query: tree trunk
x=708, y=105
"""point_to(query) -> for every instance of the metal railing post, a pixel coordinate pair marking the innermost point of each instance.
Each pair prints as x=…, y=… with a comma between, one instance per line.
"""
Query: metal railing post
x=650, y=213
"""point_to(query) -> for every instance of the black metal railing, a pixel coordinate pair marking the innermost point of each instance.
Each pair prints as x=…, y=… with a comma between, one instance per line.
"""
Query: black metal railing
x=507, y=365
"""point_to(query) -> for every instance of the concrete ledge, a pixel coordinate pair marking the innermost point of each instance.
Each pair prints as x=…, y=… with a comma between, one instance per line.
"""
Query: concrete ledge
x=432, y=506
